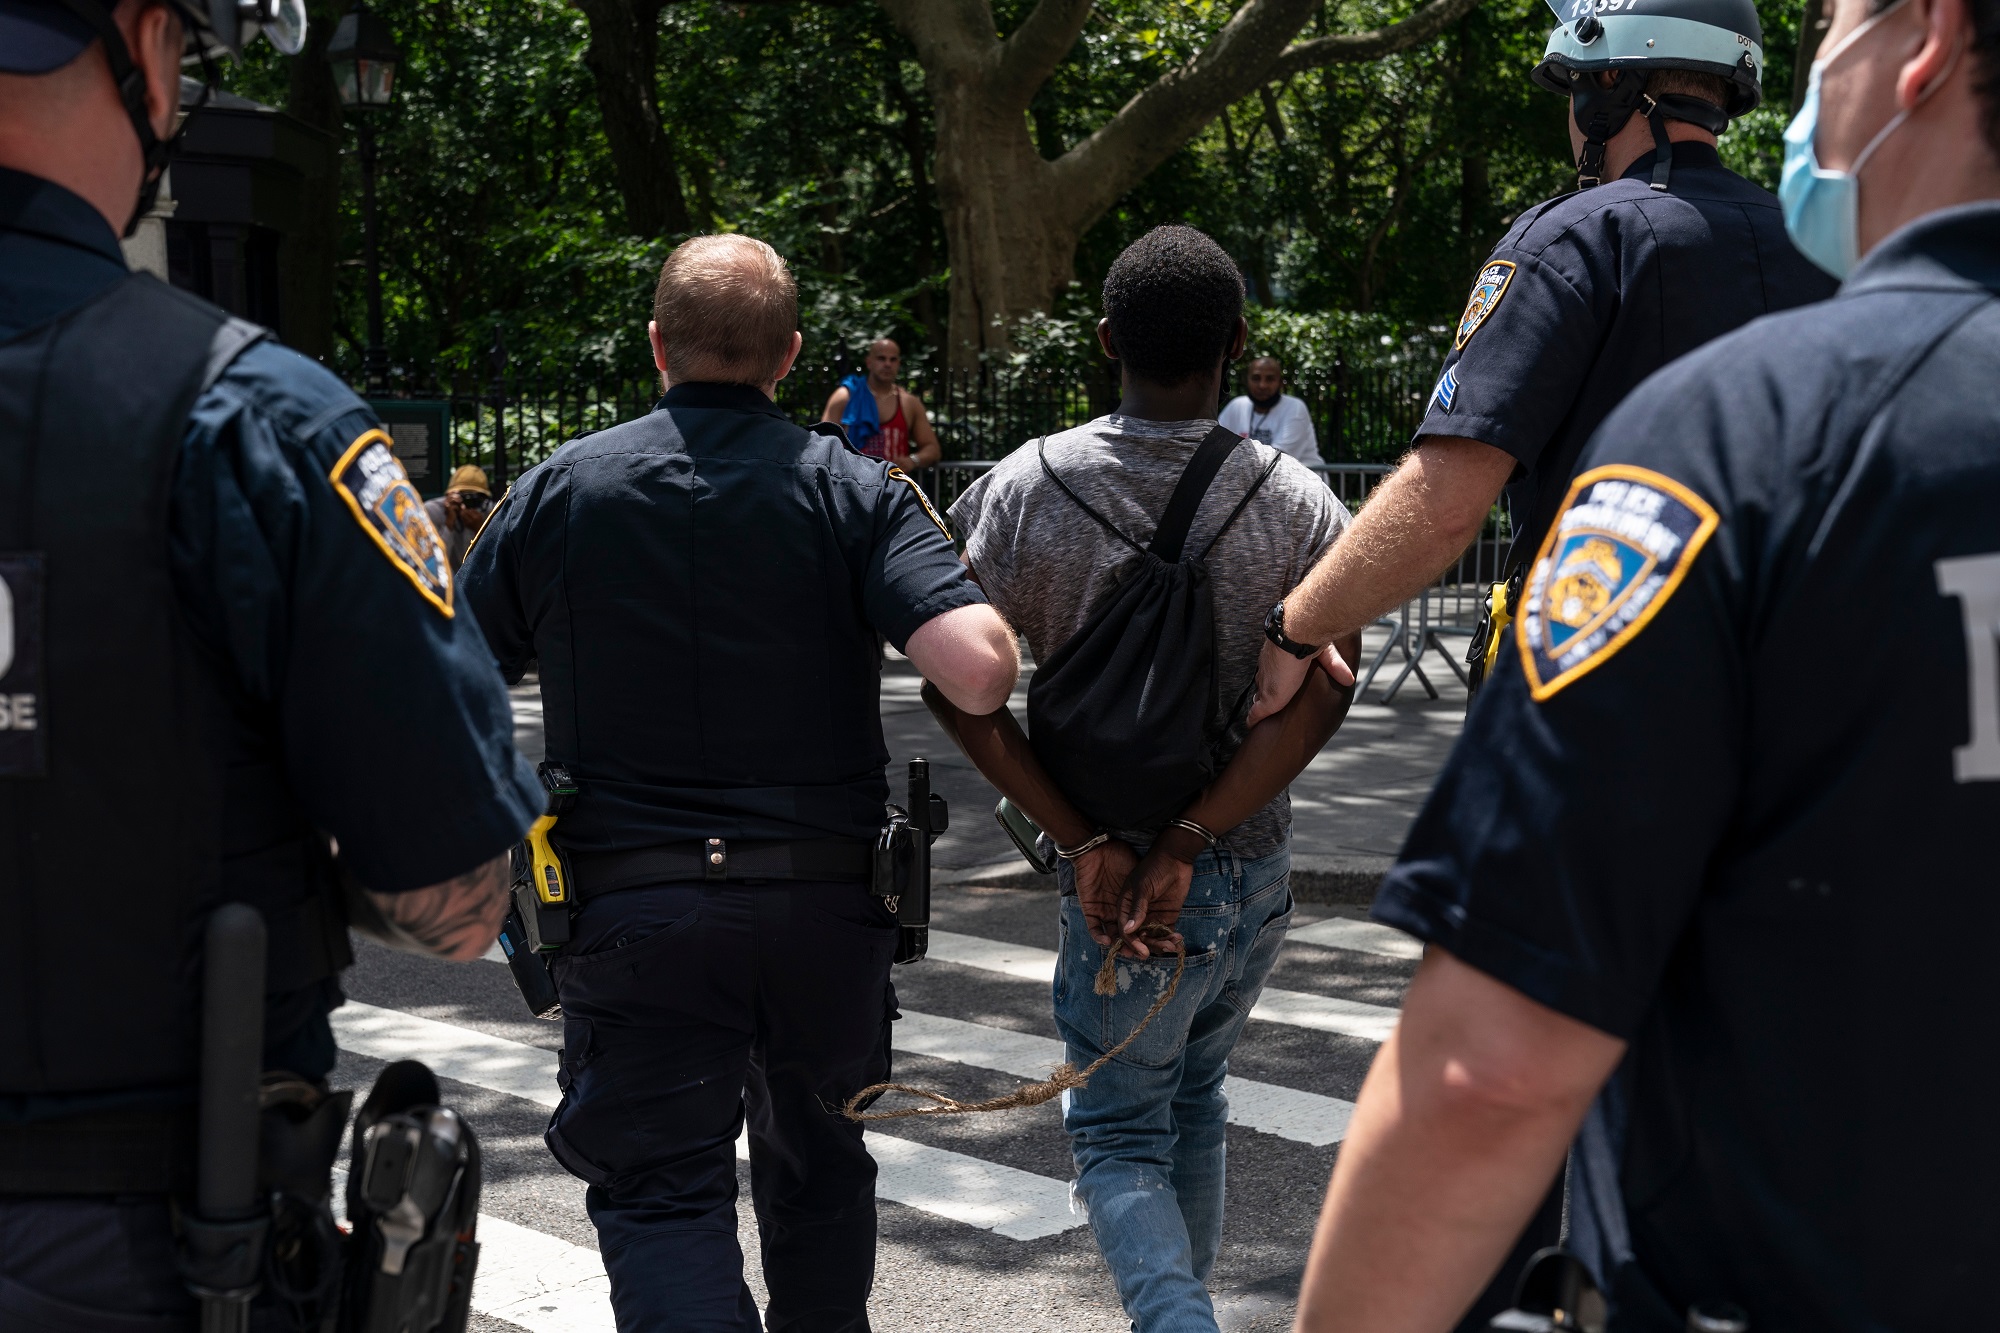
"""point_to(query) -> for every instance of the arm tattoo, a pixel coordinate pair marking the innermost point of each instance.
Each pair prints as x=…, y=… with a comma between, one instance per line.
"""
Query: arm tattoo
x=457, y=919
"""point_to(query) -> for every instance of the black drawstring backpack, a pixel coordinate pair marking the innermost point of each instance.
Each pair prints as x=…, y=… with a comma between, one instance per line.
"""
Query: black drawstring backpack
x=1123, y=714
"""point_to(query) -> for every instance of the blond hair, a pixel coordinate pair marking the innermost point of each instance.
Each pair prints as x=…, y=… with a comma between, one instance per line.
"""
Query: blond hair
x=727, y=307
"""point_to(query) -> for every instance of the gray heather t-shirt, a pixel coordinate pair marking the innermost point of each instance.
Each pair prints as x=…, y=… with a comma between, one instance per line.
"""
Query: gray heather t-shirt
x=1045, y=563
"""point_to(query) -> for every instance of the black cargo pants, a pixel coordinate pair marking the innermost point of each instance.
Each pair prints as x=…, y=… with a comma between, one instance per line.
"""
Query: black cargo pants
x=687, y=1009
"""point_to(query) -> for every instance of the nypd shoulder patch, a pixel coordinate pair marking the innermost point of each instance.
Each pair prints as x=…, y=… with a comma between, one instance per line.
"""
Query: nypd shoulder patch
x=372, y=482
x=1487, y=289
x=898, y=474
x=1621, y=544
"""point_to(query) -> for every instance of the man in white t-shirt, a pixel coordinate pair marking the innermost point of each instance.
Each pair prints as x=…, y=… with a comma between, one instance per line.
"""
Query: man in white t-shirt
x=1269, y=415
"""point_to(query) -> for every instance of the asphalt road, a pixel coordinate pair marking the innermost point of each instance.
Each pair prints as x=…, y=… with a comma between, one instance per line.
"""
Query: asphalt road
x=976, y=1231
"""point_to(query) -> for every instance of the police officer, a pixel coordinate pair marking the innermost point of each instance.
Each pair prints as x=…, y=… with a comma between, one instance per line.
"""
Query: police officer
x=1724, y=823
x=226, y=633
x=703, y=588
x=1660, y=249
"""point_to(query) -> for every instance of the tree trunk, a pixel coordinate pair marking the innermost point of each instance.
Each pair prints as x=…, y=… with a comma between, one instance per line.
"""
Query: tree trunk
x=1011, y=248
x=1012, y=218
x=623, y=62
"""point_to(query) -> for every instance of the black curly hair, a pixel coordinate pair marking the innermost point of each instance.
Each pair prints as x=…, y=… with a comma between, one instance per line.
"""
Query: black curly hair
x=1172, y=301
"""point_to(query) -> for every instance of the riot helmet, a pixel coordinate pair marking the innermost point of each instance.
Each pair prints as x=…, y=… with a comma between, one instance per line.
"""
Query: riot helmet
x=1631, y=40
x=37, y=36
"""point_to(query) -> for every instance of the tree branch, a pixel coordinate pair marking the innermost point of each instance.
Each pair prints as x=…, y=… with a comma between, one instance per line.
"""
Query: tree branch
x=1031, y=54
x=949, y=35
x=1374, y=44
x=1152, y=126
x=1250, y=51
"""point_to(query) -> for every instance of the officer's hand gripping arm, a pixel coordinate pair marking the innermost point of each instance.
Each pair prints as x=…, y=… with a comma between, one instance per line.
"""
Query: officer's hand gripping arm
x=458, y=919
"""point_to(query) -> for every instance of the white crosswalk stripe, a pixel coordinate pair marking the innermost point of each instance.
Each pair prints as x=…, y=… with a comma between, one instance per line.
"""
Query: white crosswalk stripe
x=541, y=1283
x=1305, y=1117
x=547, y=1285
x=1352, y=1018
x=1013, y=1203
x=1339, y=932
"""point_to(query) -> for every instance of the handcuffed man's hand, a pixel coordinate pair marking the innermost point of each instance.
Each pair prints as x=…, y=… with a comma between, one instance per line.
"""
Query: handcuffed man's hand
x=1101, y=873
x=1156, y=891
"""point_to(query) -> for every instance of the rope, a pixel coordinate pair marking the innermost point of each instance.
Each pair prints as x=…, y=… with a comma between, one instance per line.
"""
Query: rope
x=1063, y=1078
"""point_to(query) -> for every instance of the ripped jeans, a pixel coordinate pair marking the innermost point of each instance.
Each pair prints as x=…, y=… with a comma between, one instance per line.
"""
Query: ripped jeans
x=1149, y=1132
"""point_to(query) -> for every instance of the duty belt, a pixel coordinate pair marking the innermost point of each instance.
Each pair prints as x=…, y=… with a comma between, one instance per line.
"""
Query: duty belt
x=723, y=859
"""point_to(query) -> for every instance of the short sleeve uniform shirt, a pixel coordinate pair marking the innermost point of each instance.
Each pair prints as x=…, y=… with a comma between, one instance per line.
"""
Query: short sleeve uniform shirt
x=1731, y=795
x=704, y=589
x=1590, y=293
x=357, y=669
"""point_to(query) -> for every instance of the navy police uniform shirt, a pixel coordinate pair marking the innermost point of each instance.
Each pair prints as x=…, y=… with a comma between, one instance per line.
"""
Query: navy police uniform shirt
x=1590, y=293
x=703, y=589
x=1731, y=796
x=356, y=665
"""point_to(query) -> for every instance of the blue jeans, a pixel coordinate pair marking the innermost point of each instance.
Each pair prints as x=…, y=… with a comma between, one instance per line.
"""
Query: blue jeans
x=1149, y=1132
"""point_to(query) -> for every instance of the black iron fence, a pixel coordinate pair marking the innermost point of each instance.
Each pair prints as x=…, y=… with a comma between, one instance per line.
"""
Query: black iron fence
x=1364, y=417
x=1363, y=414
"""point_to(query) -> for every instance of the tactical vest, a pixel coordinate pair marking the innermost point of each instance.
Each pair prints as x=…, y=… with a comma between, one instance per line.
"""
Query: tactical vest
x=123, y=818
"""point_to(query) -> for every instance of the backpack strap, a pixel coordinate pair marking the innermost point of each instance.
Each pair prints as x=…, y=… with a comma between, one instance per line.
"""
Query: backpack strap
x=1242, y=504
x=1208, y=458
x=1077, y=500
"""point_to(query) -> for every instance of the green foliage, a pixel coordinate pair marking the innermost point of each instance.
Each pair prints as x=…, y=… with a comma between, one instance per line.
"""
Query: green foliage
x=1357, y=198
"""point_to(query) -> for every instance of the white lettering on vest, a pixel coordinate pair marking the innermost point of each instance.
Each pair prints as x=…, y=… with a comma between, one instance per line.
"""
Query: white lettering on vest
x=1975, y=581
x=17, y=712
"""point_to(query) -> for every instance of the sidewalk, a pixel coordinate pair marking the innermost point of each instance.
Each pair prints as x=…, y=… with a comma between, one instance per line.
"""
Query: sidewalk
x=1350, y=808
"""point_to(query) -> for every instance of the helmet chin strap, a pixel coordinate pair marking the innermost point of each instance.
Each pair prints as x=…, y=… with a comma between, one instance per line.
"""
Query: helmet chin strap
x=131, y=81
x=1602, y=112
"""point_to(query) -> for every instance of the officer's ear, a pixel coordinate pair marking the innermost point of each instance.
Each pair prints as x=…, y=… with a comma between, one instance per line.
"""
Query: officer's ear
x=791, y=356
x=153, y=35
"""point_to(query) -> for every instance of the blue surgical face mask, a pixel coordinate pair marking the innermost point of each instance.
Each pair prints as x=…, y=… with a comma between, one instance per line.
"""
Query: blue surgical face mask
x=1823, y=208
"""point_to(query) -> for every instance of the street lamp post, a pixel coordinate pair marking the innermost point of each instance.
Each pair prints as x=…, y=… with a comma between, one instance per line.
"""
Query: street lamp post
x=364, y=58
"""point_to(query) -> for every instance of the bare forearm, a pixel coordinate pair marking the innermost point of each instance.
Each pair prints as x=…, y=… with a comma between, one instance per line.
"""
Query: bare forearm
x=1461, y=1126
x=458, y=919
x=1276, y=751
x=1416, y=523
x=999, y=749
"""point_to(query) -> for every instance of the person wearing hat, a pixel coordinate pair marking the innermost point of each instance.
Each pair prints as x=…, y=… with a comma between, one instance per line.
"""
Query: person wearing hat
x=1659, y=250
x=459, y=513
x=224, y=614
